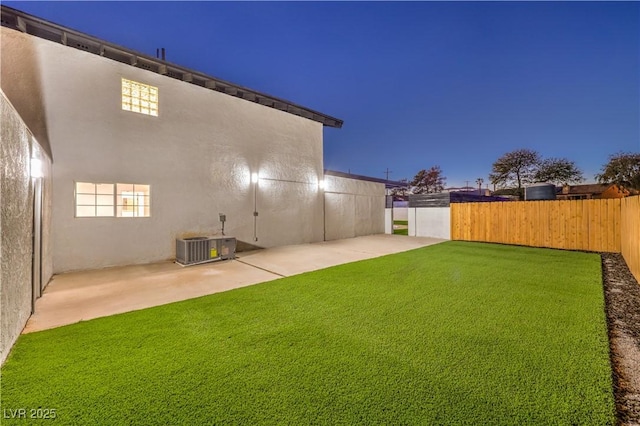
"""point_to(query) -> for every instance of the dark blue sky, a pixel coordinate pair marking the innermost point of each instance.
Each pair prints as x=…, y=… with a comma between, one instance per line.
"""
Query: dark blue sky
x=455, y=84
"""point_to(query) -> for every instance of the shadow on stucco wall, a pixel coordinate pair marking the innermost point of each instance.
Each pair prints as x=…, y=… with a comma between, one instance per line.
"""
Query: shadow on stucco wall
x=21, y=79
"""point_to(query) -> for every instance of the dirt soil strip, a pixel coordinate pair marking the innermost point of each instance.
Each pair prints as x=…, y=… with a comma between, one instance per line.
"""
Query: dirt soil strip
x=622, y=298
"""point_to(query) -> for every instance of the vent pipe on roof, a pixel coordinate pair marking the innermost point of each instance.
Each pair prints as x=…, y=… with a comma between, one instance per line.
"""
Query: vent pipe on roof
x=158, y=53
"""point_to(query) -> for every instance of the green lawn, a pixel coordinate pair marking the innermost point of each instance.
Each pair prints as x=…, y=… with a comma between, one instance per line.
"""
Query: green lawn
x=401, y=231
x=455, y=333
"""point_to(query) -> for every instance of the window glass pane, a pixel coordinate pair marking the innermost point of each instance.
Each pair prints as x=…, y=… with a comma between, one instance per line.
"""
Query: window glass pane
x=85, y=200
x=104, y=211
x=143, y=200
x=139, y=97
x=144, y=189
x=85, y=188
x=125, y=187
x=104, y=200
x=104, y=188
x=85, y=211
x=132, y=200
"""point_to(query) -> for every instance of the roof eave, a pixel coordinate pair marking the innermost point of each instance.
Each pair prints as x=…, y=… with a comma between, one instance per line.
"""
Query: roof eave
x=20, y=21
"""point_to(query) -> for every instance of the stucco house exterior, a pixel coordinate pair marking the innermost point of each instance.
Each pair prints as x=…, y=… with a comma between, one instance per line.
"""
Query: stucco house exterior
x=135, y=152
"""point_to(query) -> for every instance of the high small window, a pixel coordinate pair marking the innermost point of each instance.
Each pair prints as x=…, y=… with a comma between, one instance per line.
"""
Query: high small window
x=109, y=200
x=94, y=199
x=133, y=200
x=138, y=97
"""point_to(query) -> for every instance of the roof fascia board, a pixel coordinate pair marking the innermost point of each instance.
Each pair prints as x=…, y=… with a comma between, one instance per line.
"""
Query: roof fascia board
x=387, y=183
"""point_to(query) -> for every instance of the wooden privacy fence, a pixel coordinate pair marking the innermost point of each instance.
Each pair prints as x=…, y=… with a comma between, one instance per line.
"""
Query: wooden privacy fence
x=611, y=225
x=630, y=228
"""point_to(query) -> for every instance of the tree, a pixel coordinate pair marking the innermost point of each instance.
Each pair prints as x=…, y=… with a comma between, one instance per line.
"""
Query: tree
x=401, y=191
x=623, y=169
x=559, y=171
x=515, y=168
x=428, y=181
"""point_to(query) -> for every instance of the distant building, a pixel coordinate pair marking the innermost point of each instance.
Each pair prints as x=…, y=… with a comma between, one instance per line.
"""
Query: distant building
x=591, y=191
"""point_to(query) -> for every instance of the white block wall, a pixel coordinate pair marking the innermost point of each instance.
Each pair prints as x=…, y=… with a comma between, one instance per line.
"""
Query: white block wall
x=400, y=213
x=388, y=221
x=353, y=208
x=430, y=222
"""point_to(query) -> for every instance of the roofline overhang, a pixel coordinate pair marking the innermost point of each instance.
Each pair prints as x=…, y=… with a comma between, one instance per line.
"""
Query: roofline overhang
x=389, y=184
x=32, y=25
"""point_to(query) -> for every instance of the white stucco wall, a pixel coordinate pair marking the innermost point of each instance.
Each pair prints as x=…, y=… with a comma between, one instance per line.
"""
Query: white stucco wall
x=353, y=207
x=198, y=156
x=16, y=224
x=430, y=222
x=400, y=213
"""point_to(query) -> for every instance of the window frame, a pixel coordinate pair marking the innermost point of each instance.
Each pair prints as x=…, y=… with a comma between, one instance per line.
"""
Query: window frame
x=145, y=94
x=116, y=194
x=95, y=204
x=144, y=193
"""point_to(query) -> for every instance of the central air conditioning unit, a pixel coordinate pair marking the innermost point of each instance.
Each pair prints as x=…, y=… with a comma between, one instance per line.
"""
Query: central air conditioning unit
x=196, y=250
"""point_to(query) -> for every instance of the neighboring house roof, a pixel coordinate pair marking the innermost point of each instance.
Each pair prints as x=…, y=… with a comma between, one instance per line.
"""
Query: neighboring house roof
x=506, y=191
x=594, y=189
x=388, y=184
x=481, y=192
x=17, y=20
x=460, y=188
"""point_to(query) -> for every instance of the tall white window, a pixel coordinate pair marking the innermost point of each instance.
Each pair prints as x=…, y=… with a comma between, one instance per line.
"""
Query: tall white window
x=133, y=200
x=139, y=97
x=109, y=200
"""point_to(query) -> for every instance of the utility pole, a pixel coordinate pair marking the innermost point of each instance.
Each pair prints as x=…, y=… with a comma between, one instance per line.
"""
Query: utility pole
x=387, y=172
x=467, y=185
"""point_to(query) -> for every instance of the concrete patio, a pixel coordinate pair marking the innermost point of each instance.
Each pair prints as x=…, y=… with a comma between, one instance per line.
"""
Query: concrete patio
x=80, y=296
